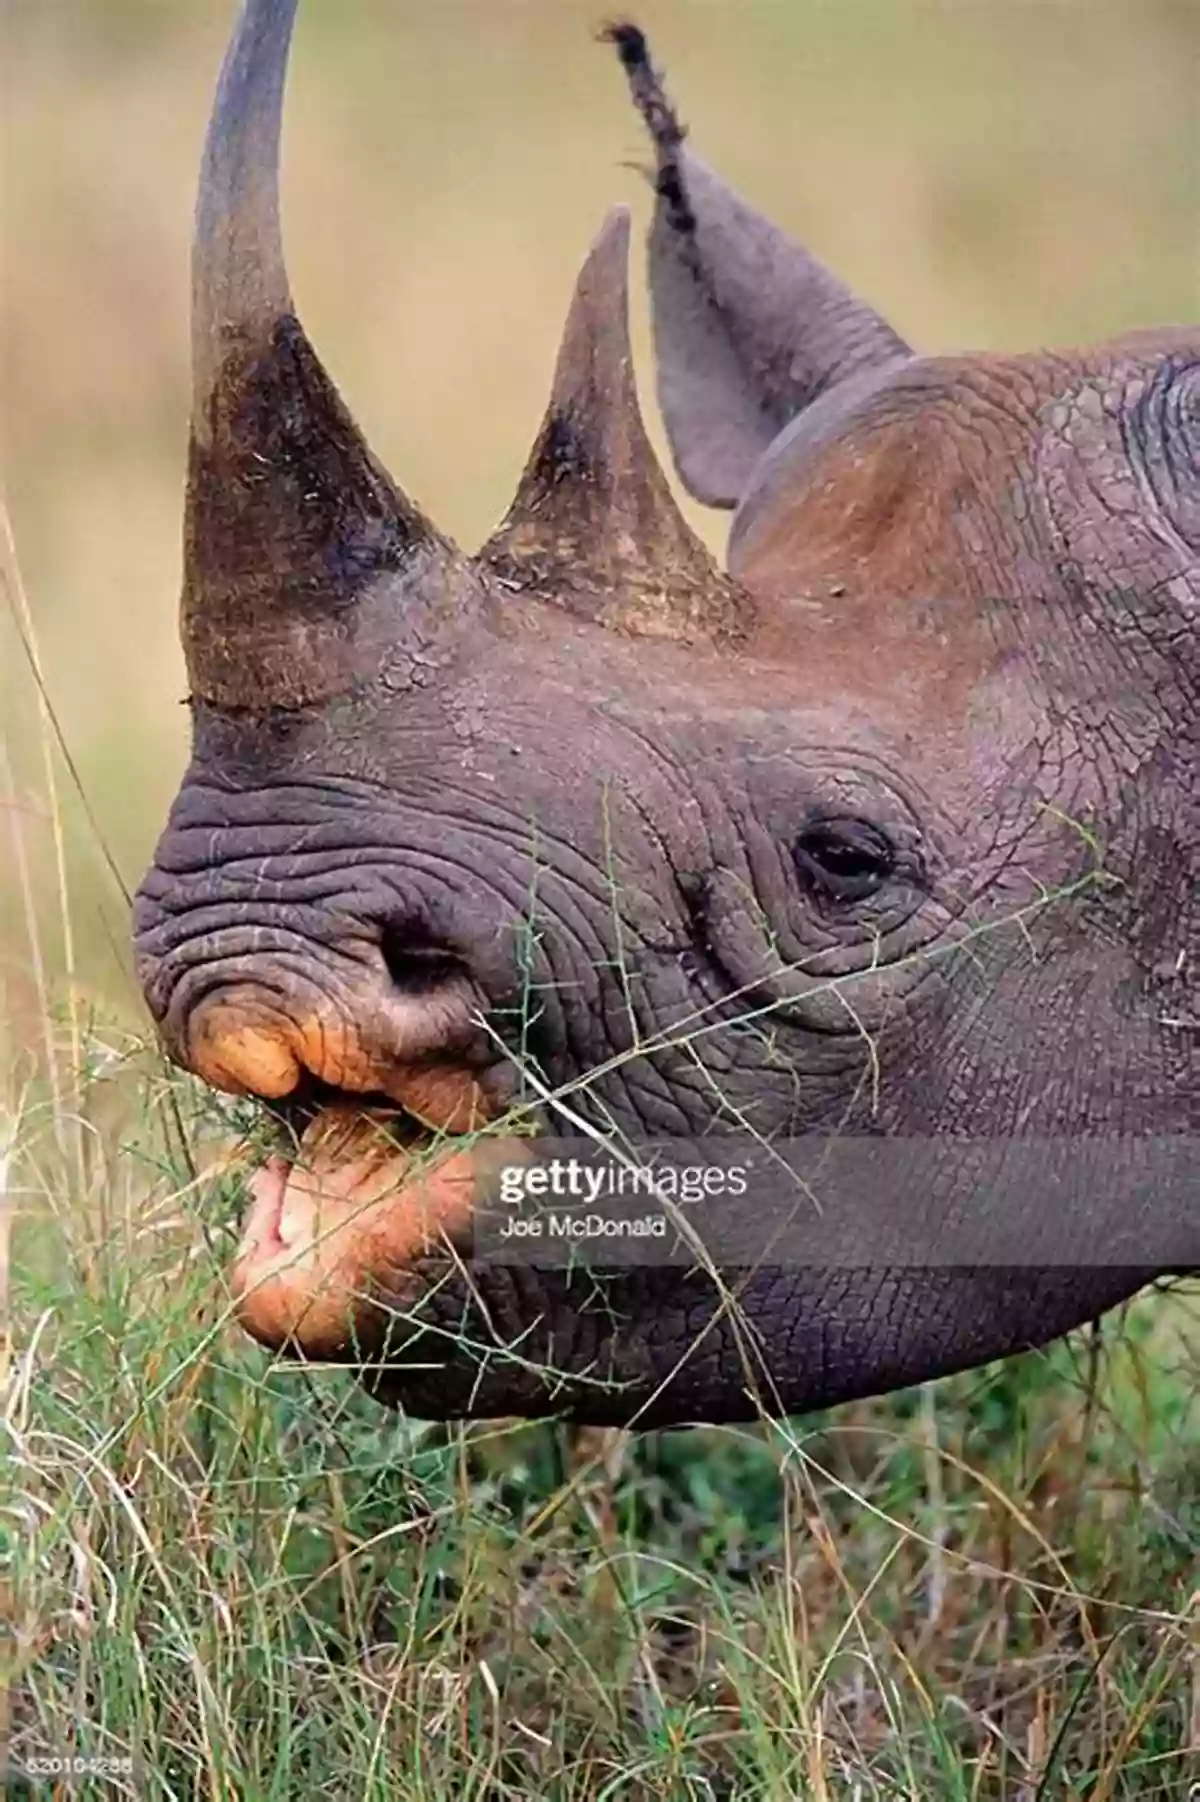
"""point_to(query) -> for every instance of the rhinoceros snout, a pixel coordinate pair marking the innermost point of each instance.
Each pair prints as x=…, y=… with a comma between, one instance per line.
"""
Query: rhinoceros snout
x=261, y=984
x=259, y=1013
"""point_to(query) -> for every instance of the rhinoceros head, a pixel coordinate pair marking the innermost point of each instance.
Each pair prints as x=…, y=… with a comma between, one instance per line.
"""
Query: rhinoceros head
x=884, y=836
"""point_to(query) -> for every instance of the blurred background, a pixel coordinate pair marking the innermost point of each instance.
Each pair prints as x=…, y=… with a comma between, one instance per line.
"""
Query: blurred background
x=990, y=173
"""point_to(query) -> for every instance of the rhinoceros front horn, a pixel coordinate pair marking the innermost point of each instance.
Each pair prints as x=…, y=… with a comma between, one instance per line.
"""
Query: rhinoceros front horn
x=301, y=555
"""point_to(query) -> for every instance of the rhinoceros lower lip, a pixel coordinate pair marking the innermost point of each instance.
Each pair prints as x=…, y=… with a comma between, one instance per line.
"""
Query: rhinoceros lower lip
x=328, y=1230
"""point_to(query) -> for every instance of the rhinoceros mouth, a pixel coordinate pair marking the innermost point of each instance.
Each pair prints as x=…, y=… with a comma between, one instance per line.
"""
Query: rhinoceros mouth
x=341, y=1223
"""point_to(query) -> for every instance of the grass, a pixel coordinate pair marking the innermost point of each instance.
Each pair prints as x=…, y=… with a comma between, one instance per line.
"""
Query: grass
x=251, y=1580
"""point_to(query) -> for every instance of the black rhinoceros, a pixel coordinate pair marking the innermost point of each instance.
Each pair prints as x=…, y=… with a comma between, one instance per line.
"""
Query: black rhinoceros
x=885, y=836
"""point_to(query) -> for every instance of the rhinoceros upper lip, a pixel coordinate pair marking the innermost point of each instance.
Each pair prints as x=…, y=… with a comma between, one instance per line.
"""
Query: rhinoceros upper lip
x=432, y=1097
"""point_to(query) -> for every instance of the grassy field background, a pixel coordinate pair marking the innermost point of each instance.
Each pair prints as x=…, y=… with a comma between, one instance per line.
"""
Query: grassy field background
x=245, y=1577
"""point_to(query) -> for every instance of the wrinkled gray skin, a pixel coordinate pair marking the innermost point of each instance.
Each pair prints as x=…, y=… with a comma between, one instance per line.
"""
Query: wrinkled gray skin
x=960, y=607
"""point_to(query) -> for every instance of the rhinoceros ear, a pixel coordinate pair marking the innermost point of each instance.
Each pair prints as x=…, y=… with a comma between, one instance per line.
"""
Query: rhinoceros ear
x=748, y=327
x=594, y=526
x=298, y=546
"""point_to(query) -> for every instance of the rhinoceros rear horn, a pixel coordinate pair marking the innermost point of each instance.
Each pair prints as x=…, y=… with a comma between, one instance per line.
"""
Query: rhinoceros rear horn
x=299, y=549
x=594, y=526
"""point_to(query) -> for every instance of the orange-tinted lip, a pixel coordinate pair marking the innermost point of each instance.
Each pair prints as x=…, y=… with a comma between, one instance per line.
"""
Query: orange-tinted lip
x=267, y=1187
x=236, y=1043
x=336, y=1233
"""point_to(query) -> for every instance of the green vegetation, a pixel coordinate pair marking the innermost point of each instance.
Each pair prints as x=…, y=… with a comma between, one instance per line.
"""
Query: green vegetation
x=252, y=1580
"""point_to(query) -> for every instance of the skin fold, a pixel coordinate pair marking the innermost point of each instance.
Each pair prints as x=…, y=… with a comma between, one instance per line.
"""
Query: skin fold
x=887, y=831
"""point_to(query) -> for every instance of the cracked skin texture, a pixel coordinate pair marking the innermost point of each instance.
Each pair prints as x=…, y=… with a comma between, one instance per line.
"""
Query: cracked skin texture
x=888, y=829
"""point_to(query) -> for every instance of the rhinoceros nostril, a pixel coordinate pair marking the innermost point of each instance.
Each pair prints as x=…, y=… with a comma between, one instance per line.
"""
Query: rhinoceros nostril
x=418, y=968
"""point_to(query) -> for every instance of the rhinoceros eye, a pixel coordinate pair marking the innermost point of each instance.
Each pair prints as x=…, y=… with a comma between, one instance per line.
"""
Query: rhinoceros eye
x=843, y=859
